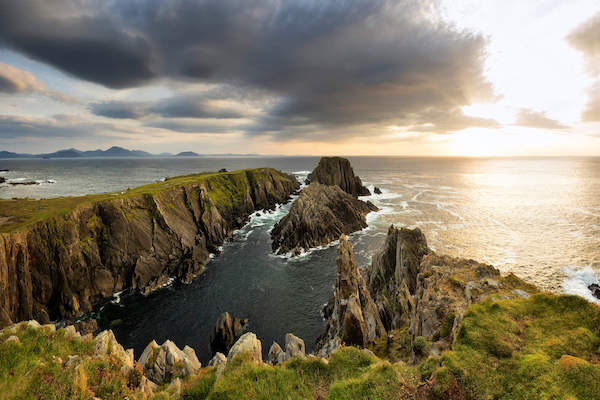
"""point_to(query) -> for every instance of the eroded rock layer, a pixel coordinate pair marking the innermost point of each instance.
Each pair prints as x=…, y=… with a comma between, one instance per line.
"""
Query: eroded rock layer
x=59, y=267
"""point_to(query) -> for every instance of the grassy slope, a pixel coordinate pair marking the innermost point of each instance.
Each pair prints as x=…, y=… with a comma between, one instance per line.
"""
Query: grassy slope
x=544, y=347
x=21, y=213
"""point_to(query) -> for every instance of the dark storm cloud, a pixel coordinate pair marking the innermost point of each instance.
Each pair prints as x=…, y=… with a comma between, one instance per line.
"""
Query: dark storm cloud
x=536, y=119
x=328, y=64
x=586, y=39
x=182, y=106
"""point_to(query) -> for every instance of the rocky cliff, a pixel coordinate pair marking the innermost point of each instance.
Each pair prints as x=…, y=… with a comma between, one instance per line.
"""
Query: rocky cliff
x=60, y=266
x=352, y=316
x=317, y=217
x=337, y=171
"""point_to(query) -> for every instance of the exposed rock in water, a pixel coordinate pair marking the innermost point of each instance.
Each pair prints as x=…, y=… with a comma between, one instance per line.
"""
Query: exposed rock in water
x=2, y=179
x=62, y=265
x=376, y=190
x=430, y=293
x=317, y=217
x=223, y=170
x=163, y=363
x=595, y=289
x=224, y=333
x=338, y=171
x=352, y=315
x=247, y=344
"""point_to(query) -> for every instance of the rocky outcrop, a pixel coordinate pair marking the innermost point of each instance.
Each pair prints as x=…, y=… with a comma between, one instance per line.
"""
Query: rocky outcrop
x=352, y=315
x=376, y=190
x=338, y=171
x=317, y=217
x=294, y=347
x=106, y=343
x=415, y=287
x=247, y=344
x=224, y=333
x=161, y=364
x=59, y=267
x=595, y=289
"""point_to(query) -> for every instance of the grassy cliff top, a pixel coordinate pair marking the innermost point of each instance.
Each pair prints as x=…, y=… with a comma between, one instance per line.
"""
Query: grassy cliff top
x=543, y=347
x=19, y=213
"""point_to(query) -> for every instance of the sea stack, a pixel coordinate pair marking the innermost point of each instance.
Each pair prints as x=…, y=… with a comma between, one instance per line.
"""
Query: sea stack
x=338, y=171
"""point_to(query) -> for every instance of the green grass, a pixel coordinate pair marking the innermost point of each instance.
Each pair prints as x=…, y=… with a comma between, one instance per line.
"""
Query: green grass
x=225, y=188
x=545, y=347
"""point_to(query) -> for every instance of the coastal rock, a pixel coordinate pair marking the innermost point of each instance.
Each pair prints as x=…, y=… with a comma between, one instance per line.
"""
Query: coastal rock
x=317, y=217
x=247, y=344
x=224, y=333
x=595, y=289
x=60, y=267
x=276, y=354
x=2, y=179
x=13, y=340
x=431, y=293
x=163, y=363
x=338, y=171
x=294, y=347
x=106, y=343
x=352, y=316
x=217, y=360
x=376, y=190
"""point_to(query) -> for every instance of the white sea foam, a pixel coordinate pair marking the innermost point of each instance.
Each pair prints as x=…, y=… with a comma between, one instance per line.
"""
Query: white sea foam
x=577, y=281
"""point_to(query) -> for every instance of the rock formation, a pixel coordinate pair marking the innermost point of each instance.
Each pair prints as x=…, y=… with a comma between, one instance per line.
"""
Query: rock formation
x=376, y=190
x=317, y=217
x=106, y=343
x=338, y=171
x=415, y=287
x=294, y=347
x=60, y=266
x=161, y=364
x=224, y=333
x=247, y=344
x=595, y=289
x=352, y=316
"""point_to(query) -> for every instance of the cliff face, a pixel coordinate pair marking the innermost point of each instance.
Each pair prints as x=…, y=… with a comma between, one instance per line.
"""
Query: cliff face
x=337, y=171
x=352, y=316
x=317, y=217
x=59, y=267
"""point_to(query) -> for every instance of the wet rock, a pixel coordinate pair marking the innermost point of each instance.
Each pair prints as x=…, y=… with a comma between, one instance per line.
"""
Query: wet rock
x=224, y=333
x=317, y=217
x=352, y=316
x=2, y=179
x=595, y=289
x=338, y=171
x=376, y=190
x=247, y=344
x=163, y=363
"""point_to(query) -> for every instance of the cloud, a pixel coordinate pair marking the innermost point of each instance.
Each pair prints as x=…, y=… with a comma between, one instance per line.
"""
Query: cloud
x=537, y=119
x=324, y=65
x=194, y=126
x=15, y=80
x=586, y=38
x=179, y=106
x=12, y=126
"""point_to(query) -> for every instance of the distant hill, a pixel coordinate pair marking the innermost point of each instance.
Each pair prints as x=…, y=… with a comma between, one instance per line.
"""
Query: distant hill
x=114, y=151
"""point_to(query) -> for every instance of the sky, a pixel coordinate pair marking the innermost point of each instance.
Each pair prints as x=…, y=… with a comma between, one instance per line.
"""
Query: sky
x=379, y=77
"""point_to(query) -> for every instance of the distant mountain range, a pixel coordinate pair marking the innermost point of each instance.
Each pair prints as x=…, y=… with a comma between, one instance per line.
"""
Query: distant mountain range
x=114, y=151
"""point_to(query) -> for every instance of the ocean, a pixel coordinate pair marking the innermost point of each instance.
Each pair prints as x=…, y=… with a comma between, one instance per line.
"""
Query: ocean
x=536, y=217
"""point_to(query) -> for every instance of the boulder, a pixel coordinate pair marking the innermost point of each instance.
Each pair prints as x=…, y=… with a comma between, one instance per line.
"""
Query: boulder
x=376, y=190
x=224, y=333
x=87, y=326
x=2, y=179
x=163, y=363
x=217, y=360
x=13, y=340
x=338, y=171
x=352, y=315
x=294, y=347
x=276, y=354
x=317, y=217
x=71, y=332
x=106, y=343
x=247, y=344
